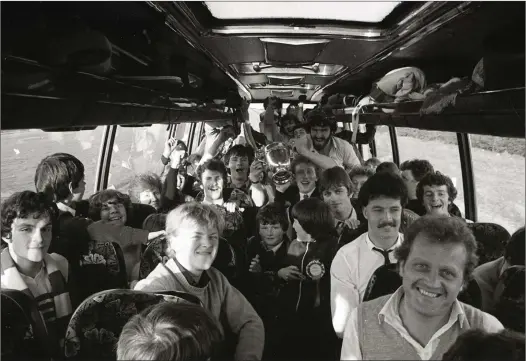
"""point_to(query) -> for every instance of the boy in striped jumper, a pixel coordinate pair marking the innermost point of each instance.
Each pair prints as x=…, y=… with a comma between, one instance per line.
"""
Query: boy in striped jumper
x=28, y=219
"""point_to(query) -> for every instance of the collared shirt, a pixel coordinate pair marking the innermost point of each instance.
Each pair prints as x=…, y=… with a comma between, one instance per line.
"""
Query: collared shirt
x=203, y=280
x=341, y=152
x=389, y=314
x=351, y=270
x=340, y=225
x=65, y=208
x=302, y=195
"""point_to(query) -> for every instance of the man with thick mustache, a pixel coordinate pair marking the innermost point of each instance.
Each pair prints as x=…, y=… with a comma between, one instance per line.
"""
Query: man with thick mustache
x=331, y=151
x=383, y=197
x=423, y=318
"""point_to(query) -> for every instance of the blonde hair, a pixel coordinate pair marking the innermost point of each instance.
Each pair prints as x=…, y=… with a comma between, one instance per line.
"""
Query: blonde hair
x=196, y=213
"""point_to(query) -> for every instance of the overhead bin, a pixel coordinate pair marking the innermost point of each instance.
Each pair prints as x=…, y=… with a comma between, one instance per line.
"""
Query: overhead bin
x=498, y=113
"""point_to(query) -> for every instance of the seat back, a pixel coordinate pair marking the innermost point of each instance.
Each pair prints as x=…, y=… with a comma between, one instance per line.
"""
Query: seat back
x=471, y=295
x=103, y=268
x=408, y=217
x=385, y=280
x=97, y=323
x=491, y=240
x=24, y=334
x=156, y=252
x=510, y=306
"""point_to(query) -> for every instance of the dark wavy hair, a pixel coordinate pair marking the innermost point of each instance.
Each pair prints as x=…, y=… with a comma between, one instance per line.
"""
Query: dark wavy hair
x=213, y=165
x=383, y=184
x=315, y=218
x=24, y=204
x=418, y=167
x=239, y=150
x=288, y=118
x=318, y=118
x=334, y=177
x=436, y=179
x=55, y=172
x=443, y=230
x=99, y=198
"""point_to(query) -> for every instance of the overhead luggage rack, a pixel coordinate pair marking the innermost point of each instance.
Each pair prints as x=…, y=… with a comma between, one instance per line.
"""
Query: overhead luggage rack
x=498, y=113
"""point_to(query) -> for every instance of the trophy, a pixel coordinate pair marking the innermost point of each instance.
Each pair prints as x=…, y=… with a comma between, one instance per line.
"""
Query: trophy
x=277, y=159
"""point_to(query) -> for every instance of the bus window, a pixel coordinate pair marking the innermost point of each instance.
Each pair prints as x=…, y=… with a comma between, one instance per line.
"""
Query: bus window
x=22, y=150
x=384, y=152
x=439, y=148
x=135, y=151
x=498, y=165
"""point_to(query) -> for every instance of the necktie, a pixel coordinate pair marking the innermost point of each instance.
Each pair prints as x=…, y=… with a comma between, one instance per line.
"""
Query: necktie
x=385, y=254
x=305, y=196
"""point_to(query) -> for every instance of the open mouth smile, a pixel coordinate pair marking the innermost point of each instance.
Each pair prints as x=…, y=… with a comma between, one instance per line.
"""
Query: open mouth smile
x=427, y=293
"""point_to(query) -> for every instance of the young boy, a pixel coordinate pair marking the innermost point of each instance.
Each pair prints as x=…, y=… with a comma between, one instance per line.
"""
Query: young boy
x=267, y=254
x=28, y=219
x=193, y=231
x=111, y=210
x=305, y=297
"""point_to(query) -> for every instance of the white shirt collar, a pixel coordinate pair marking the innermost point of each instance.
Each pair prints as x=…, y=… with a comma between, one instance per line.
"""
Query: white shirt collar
x=308, y=194
x=390, y=312
x=65, y=208
x=370, y=243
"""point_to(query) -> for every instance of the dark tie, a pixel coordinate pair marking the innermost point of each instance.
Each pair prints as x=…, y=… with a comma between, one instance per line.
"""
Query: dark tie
x=305, y=196
x=385, y=254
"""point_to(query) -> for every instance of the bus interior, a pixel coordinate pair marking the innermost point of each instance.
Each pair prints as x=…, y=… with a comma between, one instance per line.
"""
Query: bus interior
x=111, y=82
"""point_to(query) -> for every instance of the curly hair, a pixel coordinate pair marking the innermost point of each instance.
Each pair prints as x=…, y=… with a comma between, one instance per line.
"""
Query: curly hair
x=24, y=204
x=55, y=172
x=98, y=199
x=142, y=182
x=212, y=165
x=418, y=167
x=442, y=230
x=383, y=184
x=436, y=179
x=319, y=118
x=272, y=213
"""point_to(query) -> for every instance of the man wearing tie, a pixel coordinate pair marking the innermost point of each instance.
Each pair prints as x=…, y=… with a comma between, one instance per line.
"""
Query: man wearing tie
x=383, y=197
x=335, y=188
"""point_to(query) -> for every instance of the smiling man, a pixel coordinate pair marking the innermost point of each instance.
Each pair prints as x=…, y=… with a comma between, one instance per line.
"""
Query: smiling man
x=330, y=150
x=383, y=197
x=27, y=226
x=193, y=232
x=436, y=193
x=423, y=318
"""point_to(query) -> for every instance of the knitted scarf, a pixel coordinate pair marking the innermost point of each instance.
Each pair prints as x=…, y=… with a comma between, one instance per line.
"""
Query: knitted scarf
x=55, y=307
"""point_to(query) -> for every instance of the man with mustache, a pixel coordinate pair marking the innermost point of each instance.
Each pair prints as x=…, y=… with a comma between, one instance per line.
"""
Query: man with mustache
x=331, y=151
x=383, y=197
x=423, y=318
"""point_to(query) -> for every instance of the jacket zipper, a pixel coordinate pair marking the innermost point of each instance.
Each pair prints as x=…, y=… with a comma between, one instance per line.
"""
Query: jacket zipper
x=301, y=281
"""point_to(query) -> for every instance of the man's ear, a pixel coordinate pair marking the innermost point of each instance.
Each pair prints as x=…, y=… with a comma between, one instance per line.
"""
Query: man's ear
x=401, y=266
x=7, y=238
x=364, y=211
x=70, y=187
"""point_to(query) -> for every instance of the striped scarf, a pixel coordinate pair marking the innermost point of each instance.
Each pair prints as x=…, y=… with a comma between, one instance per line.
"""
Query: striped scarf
x=55, y=307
